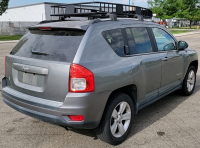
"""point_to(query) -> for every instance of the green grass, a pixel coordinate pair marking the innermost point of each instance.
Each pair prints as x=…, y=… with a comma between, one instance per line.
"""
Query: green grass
x=177, y=32
x=10, y=37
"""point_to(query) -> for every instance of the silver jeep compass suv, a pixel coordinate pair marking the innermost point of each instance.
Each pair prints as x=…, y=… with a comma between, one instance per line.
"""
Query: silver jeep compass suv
x=96, y=74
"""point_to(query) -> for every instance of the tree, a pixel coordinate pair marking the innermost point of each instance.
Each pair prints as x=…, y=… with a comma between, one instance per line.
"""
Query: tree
x=165, y=9
x=197, y=16
x=157, y=7
x=3, y=6
x=190, y=9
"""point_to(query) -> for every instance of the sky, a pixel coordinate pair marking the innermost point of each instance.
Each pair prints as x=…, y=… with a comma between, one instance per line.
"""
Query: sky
x=14, y=3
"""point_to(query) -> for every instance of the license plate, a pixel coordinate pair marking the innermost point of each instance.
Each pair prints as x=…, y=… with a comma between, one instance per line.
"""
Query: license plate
x=30, y=79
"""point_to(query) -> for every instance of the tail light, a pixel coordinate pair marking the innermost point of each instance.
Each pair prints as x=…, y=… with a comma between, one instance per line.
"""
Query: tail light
x=80, y=79
x=5, y=67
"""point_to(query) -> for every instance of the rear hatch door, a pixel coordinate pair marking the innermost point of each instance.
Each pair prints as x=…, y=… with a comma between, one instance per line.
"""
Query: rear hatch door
x=39, y=64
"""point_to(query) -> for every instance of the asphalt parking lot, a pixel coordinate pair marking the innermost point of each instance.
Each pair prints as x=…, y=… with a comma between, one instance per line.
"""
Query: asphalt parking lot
x=173, y=121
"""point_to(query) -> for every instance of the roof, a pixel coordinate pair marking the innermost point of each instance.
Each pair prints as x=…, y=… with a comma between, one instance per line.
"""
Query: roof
x=37, y=4
x=84, y=25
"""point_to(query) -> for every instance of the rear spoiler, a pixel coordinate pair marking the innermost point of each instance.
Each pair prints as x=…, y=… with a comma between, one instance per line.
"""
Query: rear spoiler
x=68, y=25
x=46, y=27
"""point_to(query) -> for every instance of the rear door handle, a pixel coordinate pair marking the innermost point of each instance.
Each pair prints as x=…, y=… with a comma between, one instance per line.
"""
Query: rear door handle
x=165, y=59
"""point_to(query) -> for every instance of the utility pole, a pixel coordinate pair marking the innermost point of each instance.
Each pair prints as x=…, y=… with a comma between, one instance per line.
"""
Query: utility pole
x=148, y=3
x=131, y=2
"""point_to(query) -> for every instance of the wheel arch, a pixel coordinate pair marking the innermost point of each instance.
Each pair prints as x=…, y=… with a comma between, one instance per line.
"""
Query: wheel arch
x=195, y=64
x=130, y=90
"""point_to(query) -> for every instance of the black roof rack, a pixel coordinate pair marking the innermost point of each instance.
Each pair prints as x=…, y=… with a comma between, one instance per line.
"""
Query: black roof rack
x=94, y=10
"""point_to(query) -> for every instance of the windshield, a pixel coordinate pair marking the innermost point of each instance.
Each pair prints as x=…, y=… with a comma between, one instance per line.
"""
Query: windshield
x=56, y=45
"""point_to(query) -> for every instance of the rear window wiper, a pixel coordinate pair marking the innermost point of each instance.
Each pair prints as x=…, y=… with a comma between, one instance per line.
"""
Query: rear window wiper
x=39, y=53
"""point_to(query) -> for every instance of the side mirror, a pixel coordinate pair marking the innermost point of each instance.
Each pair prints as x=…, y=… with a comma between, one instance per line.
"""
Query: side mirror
x=182, y=45
x=126, y=50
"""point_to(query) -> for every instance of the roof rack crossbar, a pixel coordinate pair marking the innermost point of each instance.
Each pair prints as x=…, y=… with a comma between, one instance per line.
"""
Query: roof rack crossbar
x=100, y=10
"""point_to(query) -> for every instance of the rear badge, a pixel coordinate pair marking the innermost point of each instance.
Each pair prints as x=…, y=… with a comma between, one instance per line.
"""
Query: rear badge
x=25, y=69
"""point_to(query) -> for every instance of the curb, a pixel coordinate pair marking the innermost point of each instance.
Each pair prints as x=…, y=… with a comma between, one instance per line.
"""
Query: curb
x=13, y=41
x=185, y=34
x=183, y=29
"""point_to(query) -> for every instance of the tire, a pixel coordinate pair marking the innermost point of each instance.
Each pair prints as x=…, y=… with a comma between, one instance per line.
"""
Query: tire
x=189, y=81
x=103, y=131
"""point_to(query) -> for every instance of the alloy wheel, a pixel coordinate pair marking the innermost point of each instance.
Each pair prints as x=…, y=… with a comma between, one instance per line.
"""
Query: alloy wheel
x=191, y=81
x=120, y=119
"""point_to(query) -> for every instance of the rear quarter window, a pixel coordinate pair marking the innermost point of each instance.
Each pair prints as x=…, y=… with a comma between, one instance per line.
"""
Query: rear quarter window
x=54, y=45
x=116, y=41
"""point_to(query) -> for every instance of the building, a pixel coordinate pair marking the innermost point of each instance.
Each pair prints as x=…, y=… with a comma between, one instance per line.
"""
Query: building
x=177, y=22
x=16, y=19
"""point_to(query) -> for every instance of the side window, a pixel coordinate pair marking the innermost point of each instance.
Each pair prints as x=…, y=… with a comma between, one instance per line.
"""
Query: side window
x=131, y=43
x=164, y=41
x=142, y=40
x=115, y=40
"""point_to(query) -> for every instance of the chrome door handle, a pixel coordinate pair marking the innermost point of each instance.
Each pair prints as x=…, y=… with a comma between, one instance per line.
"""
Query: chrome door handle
x=165, y=59
x=31, y=69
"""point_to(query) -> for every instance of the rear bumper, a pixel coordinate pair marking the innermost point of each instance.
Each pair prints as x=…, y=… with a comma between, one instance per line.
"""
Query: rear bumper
x=51, y=118
x=41, y=116
x=91, y=106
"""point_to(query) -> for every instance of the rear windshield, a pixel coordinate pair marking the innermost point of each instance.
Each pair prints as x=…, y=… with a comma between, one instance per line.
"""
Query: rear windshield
x=57, y=45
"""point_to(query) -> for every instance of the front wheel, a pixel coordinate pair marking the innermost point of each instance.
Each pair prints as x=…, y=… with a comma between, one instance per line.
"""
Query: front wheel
x=189, y=81
x=117, y=120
